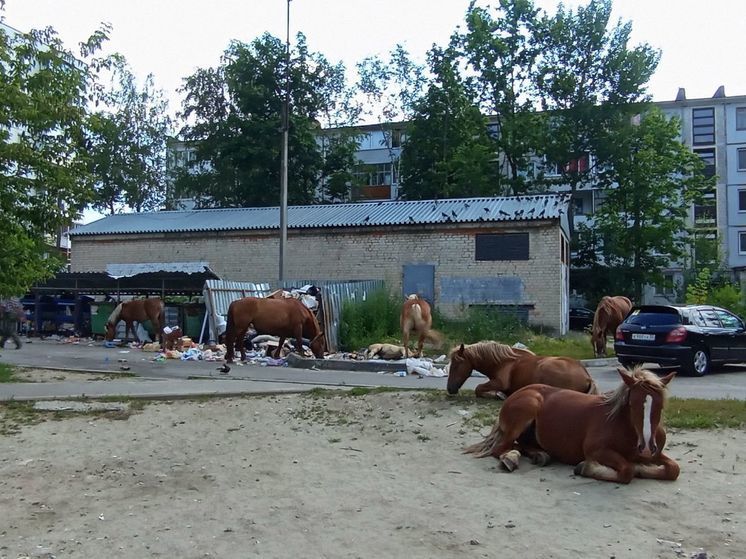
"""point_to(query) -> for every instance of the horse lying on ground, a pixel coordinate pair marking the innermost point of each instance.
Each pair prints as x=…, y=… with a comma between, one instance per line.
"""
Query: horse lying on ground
x=286, y=318
x=611, y=437
x=610, y=313
x=137, y=310
x=416, y=316
x=509, y=368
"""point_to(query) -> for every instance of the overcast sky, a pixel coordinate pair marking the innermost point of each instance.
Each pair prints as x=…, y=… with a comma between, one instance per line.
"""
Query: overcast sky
x=701, y=42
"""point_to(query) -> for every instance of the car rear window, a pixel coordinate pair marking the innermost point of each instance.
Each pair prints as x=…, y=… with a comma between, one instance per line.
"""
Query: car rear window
x=653, y=318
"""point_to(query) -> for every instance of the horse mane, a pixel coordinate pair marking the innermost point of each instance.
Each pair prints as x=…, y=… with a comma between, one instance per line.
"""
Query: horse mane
x=114, y=316
x=493, y=351
x=616, y=399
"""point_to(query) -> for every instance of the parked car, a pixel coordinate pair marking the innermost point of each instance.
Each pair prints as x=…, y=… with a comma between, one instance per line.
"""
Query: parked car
x=692, y=338
x=580, y=318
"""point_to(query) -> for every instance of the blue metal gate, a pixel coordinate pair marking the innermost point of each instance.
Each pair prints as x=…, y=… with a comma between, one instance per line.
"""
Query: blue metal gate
x=419, y=279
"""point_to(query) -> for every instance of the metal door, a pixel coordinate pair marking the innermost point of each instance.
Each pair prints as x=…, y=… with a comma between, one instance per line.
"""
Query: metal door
x=419, y=279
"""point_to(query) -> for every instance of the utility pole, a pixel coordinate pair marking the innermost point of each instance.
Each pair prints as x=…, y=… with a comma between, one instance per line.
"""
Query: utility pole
x=284, y=164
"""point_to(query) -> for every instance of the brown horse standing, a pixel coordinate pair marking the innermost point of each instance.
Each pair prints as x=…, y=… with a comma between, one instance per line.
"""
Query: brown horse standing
x=137, y=310
x=286, y=318
x=510, y=368
x=610, y=313
x=610, y=437
x=416, y=316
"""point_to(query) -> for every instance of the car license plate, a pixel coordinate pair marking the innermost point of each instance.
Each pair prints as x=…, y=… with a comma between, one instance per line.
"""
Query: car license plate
x=645, y=337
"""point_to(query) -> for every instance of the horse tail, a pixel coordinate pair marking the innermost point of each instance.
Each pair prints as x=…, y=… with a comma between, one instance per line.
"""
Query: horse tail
x=484, y=447
x=114, y=316
x=435, y=338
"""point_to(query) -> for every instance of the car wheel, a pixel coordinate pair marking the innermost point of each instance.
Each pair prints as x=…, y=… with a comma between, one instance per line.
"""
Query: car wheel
x=699, y=363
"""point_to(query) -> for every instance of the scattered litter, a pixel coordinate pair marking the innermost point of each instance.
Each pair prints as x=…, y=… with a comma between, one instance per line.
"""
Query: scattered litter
x=423, y=367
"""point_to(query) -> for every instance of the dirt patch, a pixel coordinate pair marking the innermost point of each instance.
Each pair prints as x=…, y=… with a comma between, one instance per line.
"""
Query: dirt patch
x=372, y=476
x=46, y=375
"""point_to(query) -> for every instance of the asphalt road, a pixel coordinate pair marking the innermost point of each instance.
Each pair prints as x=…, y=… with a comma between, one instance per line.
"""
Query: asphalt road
x=199, y=377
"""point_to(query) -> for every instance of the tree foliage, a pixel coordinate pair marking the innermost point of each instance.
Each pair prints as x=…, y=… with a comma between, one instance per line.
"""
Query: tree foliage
x=128, y=142
x=44, y=179
x=655, y=179
x=234, y=114
x=590, y=81
x=500, y=47
x=447, y=152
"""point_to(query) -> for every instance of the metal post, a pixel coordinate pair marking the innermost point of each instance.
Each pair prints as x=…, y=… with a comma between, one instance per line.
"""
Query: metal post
x=284, y=164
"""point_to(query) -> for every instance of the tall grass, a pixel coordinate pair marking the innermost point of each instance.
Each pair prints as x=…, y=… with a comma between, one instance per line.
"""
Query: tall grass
x=376, y=320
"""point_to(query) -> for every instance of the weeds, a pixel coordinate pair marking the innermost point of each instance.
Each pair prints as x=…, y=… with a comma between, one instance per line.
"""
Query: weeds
x=376, y=320
x=7, y=373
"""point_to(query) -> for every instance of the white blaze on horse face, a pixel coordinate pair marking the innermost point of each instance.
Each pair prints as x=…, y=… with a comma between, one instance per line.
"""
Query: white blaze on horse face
x=647, y=427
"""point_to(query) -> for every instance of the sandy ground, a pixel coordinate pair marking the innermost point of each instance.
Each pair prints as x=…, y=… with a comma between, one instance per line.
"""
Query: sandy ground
x=373, y=476
x=23, y=374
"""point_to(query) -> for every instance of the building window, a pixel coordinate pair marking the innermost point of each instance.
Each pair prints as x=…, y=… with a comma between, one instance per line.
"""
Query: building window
x=505, y=246
x=703, y=126
x=742, y=200
x=740, y=118
x=668, y=287
x=577, y=206
x=374, y=175
x=708, y=158
x=742, y=242
x=705, y=215
x=396, y=138
x=742, y=159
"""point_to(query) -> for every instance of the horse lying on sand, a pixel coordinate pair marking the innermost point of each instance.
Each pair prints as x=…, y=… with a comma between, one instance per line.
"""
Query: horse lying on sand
x=611, y=437
x=509, y=368
x=610, y=313
x=286, y=318
x=416, y=317
x=137, y=310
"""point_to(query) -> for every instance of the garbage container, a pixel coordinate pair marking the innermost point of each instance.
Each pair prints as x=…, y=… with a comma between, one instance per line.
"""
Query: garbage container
x=100, y=313
x=193, y=317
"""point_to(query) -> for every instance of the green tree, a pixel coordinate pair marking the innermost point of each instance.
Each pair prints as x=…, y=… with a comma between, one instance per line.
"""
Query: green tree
x=652, y=178
x=128, y=142
x=590, y=81
x=500, y=47
x=235, y=112
x=44, y=180
x=448, y=152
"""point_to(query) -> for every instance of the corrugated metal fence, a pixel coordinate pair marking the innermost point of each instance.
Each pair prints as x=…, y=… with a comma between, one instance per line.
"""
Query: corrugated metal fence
x=333, y=296
x=219, y=295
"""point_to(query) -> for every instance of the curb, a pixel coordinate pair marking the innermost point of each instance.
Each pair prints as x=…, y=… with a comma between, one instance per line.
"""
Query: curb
x=298, y=362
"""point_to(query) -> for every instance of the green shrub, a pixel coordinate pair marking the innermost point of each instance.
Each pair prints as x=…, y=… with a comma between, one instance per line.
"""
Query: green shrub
x=375, y=320
x=481, y=324
x=729, y=297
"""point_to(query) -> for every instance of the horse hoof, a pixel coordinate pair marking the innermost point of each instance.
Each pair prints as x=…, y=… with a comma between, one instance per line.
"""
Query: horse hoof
x=500, y=395
x=578, y=470
x=540, y=459
x=509, y=460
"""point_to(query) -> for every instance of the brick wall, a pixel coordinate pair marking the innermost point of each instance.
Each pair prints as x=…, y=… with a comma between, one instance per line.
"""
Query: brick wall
x=358, y=253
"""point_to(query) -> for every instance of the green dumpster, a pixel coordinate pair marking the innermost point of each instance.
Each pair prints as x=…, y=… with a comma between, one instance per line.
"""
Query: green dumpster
x=100, y=313
x=193, y=317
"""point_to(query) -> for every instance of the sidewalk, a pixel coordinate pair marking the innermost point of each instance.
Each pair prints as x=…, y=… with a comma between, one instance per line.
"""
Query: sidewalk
x=183, y=379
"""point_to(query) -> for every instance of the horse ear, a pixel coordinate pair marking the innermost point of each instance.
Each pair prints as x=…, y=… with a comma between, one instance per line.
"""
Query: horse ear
x=626, y=377
x=668, y=378
x=461, y=350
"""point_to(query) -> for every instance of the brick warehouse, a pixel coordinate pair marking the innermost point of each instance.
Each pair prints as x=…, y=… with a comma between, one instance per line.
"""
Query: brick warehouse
x=510, y=253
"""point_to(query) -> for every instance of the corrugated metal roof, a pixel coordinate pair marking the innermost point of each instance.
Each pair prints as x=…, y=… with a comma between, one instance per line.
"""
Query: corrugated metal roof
x=364, y=214
x=129, y=270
